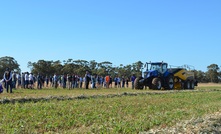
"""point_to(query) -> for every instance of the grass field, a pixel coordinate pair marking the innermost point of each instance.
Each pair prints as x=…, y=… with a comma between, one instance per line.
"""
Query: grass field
x=103, y=110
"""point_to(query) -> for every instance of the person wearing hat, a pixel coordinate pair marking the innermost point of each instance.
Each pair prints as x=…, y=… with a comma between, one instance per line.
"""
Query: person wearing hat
x=8, y=79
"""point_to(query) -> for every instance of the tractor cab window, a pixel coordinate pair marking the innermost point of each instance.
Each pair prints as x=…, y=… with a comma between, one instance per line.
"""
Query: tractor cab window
x=155, y=67
x=160, y=67
x=164, y=68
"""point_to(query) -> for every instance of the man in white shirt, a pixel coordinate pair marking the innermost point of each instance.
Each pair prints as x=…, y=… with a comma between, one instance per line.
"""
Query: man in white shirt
x=31, y=80
x=26, y=79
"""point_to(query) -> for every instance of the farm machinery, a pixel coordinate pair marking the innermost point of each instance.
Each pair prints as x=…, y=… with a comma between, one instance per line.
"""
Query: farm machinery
x=158, y=75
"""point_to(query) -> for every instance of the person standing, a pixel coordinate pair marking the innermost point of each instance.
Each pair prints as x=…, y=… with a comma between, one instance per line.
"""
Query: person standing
x=110, y=82
x=8, y=80
x=31, y=80
x=107, y=80
x=73, y=81
x=69, y=78
x=1, y=86
x=80, y=82
x=23, y=80
x=26, y=79
x=93, y=81
x=127, y=82
x=98, y=81
x=55, y=81
x=64, y=81
x=47, y=80
x=51, y=81
x=87, y=79
x=133, y=77
x=119, y=82
x=123, y=81
x=115, y=82
x=39, y=83
x=14, y=80
x=18, y=76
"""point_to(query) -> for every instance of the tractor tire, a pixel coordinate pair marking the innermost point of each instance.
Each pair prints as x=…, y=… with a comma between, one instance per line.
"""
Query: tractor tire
x=192, y=85
x=169, y=82
x=156, y=83
x=187, y=84
x=138, y=84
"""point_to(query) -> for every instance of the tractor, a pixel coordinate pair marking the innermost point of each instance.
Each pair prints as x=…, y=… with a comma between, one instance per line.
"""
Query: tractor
x=155, y=77
x=160, y=76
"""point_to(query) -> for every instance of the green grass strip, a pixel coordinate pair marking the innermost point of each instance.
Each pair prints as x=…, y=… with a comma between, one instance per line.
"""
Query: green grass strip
x=129, y=113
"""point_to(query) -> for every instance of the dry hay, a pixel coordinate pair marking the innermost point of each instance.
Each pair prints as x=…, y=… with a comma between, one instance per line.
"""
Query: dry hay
x=209, y=84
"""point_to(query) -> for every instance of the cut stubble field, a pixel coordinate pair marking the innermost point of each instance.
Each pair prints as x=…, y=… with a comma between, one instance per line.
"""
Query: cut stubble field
x=104, y=110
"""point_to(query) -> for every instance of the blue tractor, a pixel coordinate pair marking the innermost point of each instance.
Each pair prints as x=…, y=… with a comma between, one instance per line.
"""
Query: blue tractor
x=156, y=76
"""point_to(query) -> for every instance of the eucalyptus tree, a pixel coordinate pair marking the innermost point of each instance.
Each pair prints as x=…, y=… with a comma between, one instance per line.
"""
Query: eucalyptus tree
x=200, y=76
x=104, y=68
x=81, y=67
x=213, y=73
x=137, y=68
x=41, y=66
x=57, y=67
x=8, y=62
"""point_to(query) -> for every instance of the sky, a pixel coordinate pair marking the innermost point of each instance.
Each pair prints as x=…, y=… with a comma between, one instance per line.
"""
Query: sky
x=119, y=31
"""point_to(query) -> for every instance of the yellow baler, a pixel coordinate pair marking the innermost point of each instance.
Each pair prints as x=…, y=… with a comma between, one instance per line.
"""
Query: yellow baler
x=183, y=79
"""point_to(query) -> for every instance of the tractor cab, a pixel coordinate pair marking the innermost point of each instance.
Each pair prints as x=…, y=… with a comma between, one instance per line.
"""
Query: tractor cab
x=155, y=69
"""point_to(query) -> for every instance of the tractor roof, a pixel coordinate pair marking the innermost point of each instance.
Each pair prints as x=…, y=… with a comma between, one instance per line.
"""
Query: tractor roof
x=157, y=63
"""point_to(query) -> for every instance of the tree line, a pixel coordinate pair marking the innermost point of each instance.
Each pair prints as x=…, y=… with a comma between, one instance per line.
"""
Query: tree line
x=79, y=67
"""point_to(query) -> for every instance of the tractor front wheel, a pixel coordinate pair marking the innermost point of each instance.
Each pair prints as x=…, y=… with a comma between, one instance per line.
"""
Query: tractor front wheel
x=138, y=84
x=156, y=83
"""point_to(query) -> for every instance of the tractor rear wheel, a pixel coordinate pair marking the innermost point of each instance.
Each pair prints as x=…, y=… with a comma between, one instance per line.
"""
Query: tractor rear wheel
x=156, y=83
x=170, y=82
x=138, y=84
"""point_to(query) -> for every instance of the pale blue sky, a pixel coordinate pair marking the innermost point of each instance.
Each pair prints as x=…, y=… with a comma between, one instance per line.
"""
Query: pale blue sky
x=120, y=31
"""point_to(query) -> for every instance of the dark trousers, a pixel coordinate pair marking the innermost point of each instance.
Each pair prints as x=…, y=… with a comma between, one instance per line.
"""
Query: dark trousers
x=14, y=84
x=7, y=85
x=81, y=84
x=39, y=85
x=86, y=84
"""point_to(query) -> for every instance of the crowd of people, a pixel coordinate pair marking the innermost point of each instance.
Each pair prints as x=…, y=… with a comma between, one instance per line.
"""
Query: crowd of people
x=26, y=80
